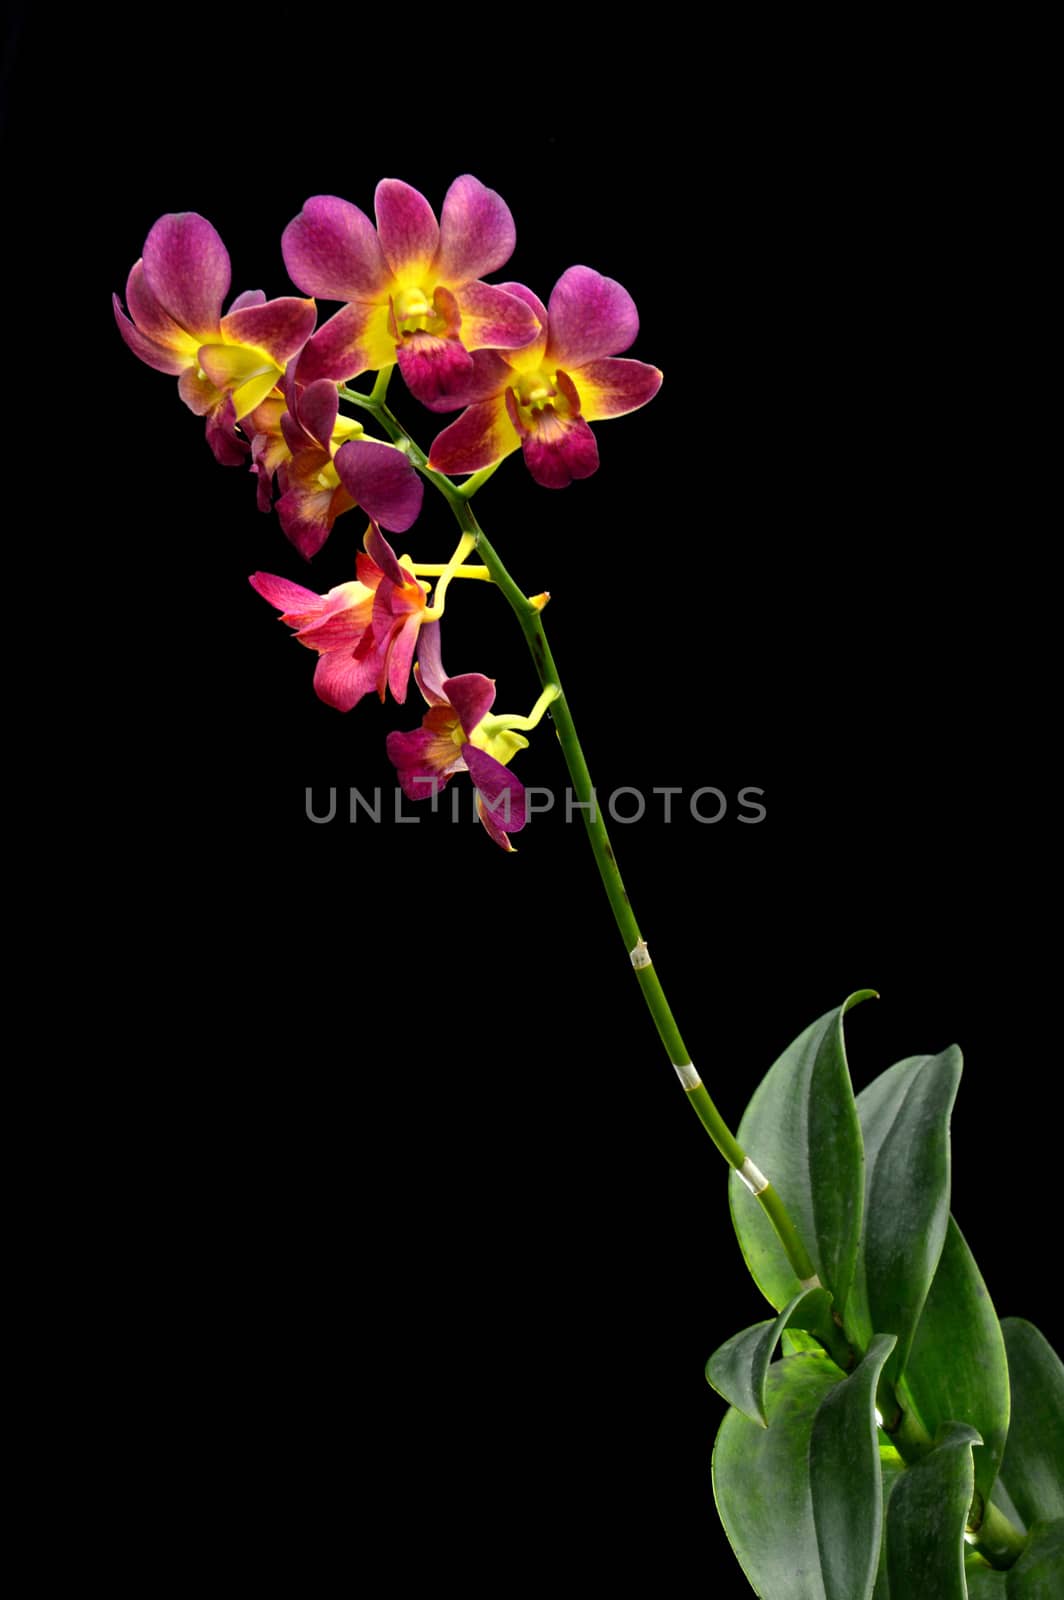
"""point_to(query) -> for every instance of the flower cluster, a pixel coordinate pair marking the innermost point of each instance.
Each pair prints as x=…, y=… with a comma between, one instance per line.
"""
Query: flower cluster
x=269, y=383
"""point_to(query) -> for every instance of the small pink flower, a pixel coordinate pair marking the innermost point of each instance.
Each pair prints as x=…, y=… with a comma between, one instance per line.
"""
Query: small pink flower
x=456, y=736
x=542, y=397
x=412, y=285
x=325, y=466
x=364, y=632
x=225, y=366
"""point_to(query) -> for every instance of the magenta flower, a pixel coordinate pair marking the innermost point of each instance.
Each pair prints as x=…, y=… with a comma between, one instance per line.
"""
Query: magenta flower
x=412, y=285
x=456, y=735
x=325, y=466
x=541, y=398
x=364, y=632
x=225, y=366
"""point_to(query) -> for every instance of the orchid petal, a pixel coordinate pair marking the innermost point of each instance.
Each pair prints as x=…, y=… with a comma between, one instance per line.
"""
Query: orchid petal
x=343, y=622
x=249, y=373
x=355, y=340
x=249, y=297
x=492, y=827
x=481, y=436
x=383, y=556
x=477, y=233
x=307, y=516
x=382, y=481
x=418, y=759
x=151, y=318
x=317, y=407
x=163, y=358
x=472, y=696
x=589, y=317
x=493, y=319
x=229, y=365
x=503, y=793
x=409, y=233
x=492, y=373
x=228, y=449
x=331, y=250
x=435, y=370
x=401, y=657
x=198, y=392
x=280, y=327
x=529, y=356
x=612, y=388
x=429, y=670
x=288, y=597
x=560, y=449
x=341, y=681
x=186, y=266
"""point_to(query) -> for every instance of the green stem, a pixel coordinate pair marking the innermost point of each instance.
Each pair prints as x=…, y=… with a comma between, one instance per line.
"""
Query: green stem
x=531, y=624
x=997, y=1539
x=380, y=388
x=468, y=489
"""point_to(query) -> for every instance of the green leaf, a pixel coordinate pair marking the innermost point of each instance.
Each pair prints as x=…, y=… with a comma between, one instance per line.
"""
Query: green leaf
x=801, y=1129
x=797, y=1341
x=761, y=1481
x=904, y=1118
x=1033, y=1467
x=737, y=1370
x=1004, y=1502
x=926, y=1520
x=846, y=1481
x=1039, y=1573
x=983, y=1582
x=957, y=1369
x=891, y=1467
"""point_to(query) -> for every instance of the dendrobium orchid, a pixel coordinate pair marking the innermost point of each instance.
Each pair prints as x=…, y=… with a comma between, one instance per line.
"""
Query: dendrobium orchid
x=458, y=735
x=325, y=466
x=542, y=397
x=225, y=366
x=412, y=286
x=365, y=632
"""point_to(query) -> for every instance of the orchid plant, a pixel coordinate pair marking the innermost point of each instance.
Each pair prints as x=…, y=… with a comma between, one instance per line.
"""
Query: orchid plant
x=886, y=1435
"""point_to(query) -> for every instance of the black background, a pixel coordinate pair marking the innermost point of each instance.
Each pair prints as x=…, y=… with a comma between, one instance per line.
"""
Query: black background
x=403, y=1240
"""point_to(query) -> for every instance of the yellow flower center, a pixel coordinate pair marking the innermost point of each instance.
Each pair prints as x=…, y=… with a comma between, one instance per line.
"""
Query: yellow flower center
x=535, y=389
x=411, y=306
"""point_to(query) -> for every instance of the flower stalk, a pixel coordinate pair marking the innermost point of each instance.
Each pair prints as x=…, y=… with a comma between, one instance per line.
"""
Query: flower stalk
x=529, y=616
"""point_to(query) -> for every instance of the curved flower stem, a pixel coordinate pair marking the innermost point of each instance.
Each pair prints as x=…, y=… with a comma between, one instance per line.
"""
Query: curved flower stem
x=435, y=569
x=468, y=489
x=528, y=615
x=380, y=387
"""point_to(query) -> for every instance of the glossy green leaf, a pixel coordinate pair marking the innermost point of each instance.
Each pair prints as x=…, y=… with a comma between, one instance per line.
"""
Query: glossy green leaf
x=983, y=1582
x=1004, y=1502
x=738, y=1369
x=957, y=1369
x=904, y=1117
x=1033, y=1466
x=846, y=1482
x=761, y=1481
x=1039, y=1573
x=796, y=1341
x=801, y=1129
x=891, y=1467
x=926, y=1518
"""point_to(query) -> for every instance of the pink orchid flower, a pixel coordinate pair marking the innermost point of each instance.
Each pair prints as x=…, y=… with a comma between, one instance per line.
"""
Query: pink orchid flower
x=542, y=397
x=456, y=735
x=364, y=632
x=225, y=366
x=325, y=466
x=412, y=285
